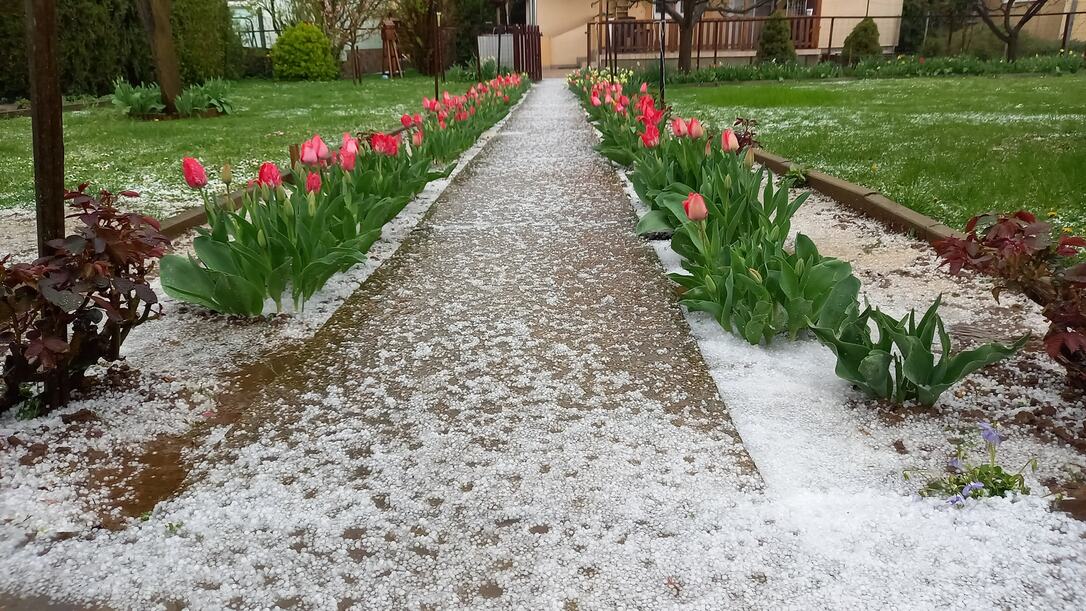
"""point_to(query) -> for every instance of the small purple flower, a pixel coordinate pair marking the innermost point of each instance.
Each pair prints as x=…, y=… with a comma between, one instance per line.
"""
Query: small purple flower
x=956, y=499
x=989, y=434
x=970, y=487
x=956, y=465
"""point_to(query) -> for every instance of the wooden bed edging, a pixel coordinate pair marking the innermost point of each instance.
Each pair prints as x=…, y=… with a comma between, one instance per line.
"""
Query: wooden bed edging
x=865, y=201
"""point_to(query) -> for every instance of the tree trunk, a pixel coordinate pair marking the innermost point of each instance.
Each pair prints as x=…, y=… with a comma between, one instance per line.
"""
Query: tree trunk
x=156, y=15
x=1012, y=46
x=686, y=46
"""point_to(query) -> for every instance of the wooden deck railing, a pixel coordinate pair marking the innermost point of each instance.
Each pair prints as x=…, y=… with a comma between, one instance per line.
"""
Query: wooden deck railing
x=710, y=35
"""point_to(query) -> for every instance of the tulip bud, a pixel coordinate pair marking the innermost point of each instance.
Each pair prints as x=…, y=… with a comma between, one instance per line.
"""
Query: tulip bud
x=710, y=284
x=312, y=197
x=194, y=173
x=288, y=208
x=227, y=175
x=748, y=160
x=261, y=238
x=754, y=274
x=281, y=193
x=695, y=208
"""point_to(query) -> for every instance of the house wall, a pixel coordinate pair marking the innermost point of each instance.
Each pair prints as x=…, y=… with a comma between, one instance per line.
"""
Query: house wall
x=565, y=44
x=562, y=23
x=886, y=13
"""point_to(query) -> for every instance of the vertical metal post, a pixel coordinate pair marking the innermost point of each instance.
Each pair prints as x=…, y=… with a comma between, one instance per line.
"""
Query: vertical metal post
x=663, y=37
x=1068, y=22
x=433, y=53
x=829, y=43
x=260, y=24
x=46, y=120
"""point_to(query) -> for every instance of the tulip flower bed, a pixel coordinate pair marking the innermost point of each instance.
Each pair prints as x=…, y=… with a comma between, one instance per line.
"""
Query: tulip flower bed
x=296, y=237
x=730, y=223
x=61, y=314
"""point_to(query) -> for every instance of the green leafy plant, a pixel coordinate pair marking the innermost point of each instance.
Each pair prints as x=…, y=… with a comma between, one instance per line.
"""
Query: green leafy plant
x=214, y=94
x=303, y=52
x=797, y=173
x=862, y=42
x=900, y=364
x=137, y=99
x=966, y=479
x=775, y=43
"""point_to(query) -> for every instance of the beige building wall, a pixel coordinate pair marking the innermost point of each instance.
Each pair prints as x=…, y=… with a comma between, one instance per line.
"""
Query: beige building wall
x=886, y=13
x=562, y=23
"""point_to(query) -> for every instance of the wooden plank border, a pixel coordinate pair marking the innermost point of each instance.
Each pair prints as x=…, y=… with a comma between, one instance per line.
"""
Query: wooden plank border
x=864, y=200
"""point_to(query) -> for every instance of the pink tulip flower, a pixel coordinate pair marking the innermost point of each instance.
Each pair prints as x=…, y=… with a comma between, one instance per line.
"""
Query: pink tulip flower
x=694, y=205
x=728, y=141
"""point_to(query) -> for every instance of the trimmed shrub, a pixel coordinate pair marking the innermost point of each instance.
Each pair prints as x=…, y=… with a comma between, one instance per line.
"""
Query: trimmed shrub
x=862, y=42
x=303, y=52
x=775, y=43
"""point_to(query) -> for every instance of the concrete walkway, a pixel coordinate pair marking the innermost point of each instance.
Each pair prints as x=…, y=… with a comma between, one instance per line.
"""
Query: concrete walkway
x=510, y=413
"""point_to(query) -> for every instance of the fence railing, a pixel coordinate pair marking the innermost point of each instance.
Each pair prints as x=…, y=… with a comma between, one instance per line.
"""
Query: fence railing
x=515, y=46
x=822, y=35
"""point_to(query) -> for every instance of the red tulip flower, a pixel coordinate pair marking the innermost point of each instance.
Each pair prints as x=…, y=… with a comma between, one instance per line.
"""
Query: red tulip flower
x=194, y=173
x=313, y=182
x=417, y=120
x=268, y=174
x=385, y=144
x=651, y=136
x=596, y=99
x=644, y=87
x=694, y=205
x=406, y=120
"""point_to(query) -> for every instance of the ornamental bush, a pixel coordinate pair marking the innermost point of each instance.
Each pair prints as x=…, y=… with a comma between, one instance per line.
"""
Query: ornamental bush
x=303, y=52
x=862, y=42
x=775, y=44
x=60, y=314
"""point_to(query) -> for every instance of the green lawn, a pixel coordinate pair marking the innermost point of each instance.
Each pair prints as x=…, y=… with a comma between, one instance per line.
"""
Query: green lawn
x=109, y=149
x=947, y=147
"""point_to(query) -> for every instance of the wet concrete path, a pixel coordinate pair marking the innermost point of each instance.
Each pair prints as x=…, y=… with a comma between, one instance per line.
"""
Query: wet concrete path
x=510, y=412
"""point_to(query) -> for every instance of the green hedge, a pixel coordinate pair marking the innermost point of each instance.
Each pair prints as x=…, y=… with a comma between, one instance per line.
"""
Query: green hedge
x=99, y=40
x=102, y=39
x=207, y=45
x=901, y=67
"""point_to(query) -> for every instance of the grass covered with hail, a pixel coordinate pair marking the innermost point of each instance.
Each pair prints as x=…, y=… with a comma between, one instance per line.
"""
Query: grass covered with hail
x=111, y=150
x=947, y=147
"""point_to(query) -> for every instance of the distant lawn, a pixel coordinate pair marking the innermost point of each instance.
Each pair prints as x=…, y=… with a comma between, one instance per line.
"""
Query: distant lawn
x=109, y=149
x=947, y=147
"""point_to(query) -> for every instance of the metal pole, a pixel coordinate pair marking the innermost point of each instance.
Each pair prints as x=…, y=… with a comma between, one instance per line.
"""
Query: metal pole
x=663, y=36
x=433, y=54
x=260, y=24
x=46, y=121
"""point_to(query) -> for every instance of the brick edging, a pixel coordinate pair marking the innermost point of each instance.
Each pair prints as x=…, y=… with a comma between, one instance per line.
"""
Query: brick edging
x=864, y=200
